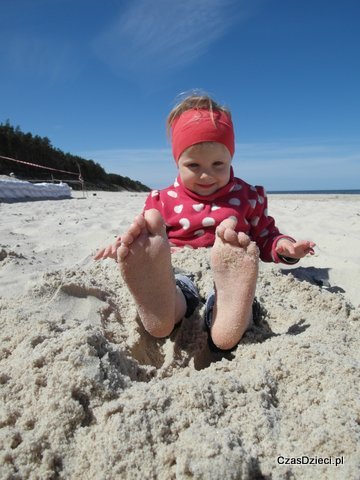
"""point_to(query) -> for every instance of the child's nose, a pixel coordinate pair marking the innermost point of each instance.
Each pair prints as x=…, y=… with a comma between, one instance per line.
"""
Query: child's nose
x=205, y=174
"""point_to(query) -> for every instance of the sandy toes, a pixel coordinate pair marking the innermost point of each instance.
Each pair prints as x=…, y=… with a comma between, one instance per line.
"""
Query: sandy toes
x=234, y=262
x=145, y=265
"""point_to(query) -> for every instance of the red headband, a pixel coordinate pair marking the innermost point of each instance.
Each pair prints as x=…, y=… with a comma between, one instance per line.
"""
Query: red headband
x=197, y=126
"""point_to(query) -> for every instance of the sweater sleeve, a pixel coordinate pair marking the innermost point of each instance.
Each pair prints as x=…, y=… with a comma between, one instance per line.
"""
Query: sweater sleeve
x=263, y=230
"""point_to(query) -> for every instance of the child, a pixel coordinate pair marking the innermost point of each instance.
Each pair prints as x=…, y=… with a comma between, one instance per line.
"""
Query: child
x=206, y=207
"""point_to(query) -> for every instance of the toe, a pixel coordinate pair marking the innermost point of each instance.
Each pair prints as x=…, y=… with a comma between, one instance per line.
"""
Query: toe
x=243, y=240
x=229, y=223
x=127, y=238
x=224, y=229
x=253, y=250
x=220, y=230
x=230, y=236
x=154, y=222
x=99, y=254
x=140, y=221
x=134, y=230
x=122, y=252
x=107, y=252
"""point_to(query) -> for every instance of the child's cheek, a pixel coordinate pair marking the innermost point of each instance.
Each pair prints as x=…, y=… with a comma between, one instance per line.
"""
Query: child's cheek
x=225, y=177
x=186, y=177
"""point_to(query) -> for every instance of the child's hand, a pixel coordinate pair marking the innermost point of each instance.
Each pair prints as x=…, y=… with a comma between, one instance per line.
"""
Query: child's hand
x=295, y=250
x=109, y=252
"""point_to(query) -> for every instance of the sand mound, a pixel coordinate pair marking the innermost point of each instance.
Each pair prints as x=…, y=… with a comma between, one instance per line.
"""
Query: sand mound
x=87, y=393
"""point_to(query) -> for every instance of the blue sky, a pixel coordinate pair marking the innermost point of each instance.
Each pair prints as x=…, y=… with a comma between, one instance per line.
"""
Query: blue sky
x=99, y=77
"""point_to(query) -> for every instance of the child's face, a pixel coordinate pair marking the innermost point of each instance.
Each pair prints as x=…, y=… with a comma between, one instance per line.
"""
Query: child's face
x=205, y=168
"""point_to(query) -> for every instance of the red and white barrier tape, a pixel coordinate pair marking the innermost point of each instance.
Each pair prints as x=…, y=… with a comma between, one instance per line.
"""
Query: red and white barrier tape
x=39, y=166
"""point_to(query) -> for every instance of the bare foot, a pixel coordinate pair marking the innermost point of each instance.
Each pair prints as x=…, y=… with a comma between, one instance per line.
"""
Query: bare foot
x=145, y=264
x=234, y=262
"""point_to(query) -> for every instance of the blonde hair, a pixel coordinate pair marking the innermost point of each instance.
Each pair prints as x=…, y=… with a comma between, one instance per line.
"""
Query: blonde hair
x=194, y=100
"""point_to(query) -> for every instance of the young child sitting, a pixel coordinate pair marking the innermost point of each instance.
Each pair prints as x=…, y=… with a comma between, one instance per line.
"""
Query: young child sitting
x=206, y=207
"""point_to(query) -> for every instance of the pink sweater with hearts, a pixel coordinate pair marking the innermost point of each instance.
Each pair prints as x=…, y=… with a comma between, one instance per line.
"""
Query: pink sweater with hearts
x=191, y=219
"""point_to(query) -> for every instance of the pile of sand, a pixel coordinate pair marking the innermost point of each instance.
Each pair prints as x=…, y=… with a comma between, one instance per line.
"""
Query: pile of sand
x=87, y=393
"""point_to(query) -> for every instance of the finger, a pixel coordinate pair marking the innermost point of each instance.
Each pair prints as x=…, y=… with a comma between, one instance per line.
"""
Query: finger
x=306, y=243
x=308, y=247
x=288, y=250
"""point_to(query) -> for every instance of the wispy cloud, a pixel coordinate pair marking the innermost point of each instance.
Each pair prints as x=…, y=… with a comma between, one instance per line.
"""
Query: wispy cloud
x=160, y=35
x=38, y=56
x=277, y=166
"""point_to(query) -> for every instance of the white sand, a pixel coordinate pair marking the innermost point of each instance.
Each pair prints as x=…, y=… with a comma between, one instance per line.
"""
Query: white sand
x=86, y=393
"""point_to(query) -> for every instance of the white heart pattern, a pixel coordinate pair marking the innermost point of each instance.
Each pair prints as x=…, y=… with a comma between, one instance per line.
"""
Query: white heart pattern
x=255, y=221
x=154, y=193
x=185, y=223
x=172, y=194
x=178, y=208
x=252, y=203
x=208, y=221
x=198, y=207
x=234, y=201
x=199, y=233
x=214, y=207
x=235, y=188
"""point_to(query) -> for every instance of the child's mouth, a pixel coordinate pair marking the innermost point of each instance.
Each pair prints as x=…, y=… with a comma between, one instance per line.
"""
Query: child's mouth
x=205, y=186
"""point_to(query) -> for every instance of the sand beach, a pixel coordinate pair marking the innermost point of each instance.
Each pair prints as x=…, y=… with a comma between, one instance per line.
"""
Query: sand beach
x=87, y=393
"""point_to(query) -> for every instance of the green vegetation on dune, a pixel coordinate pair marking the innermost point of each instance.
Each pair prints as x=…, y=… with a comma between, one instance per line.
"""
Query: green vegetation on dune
x=38, y=150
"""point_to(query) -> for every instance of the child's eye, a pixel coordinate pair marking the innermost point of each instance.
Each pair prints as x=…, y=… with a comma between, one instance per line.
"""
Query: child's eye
x=218, y=164
x=192, y=165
